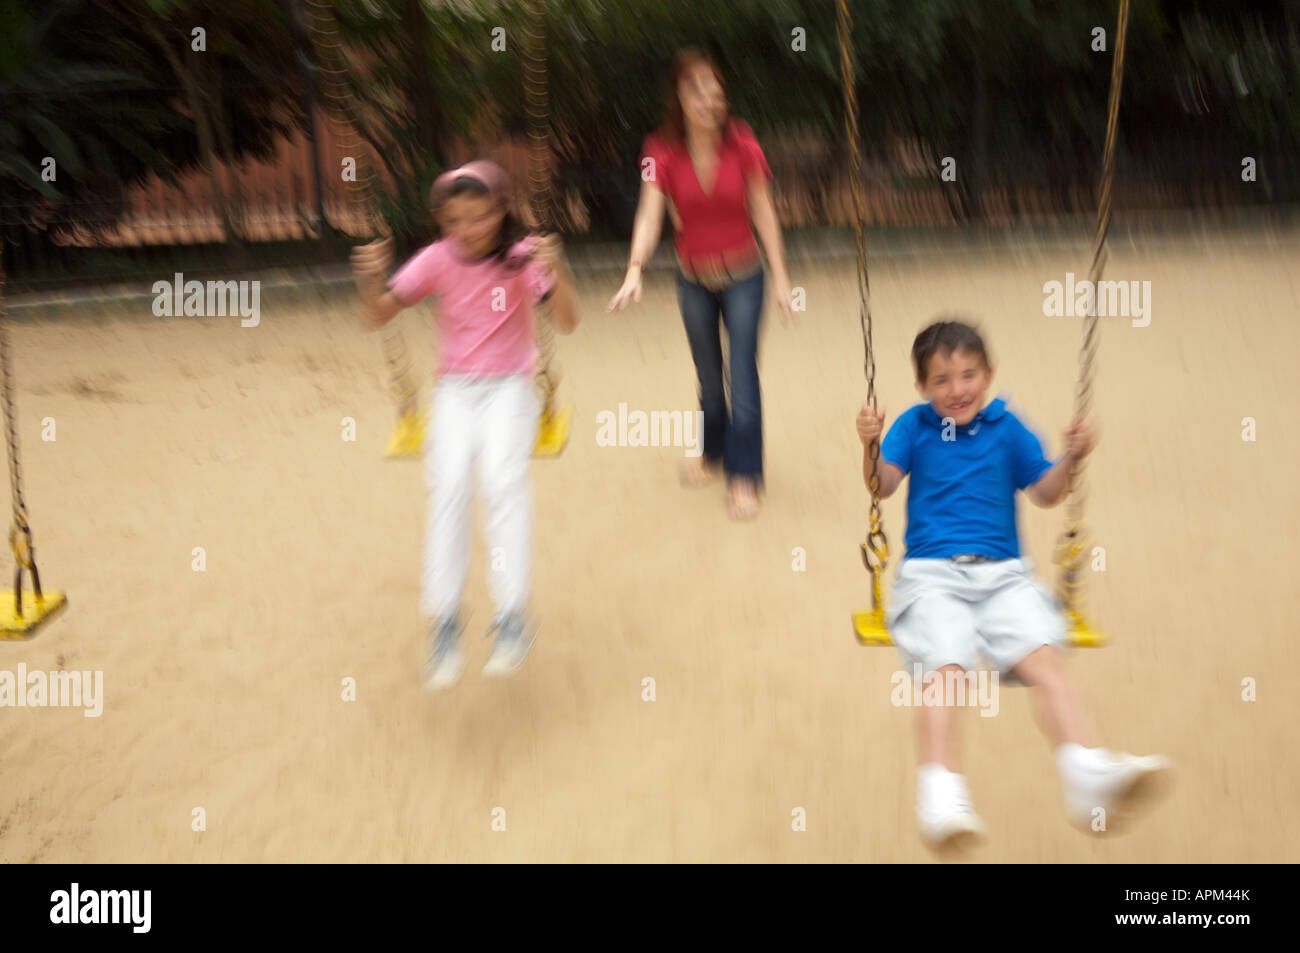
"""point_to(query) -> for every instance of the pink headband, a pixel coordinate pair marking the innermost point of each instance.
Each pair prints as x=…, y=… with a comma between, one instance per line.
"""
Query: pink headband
x=488, y=174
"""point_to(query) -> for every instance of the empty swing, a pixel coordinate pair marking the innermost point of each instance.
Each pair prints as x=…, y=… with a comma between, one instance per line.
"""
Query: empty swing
x=22, y=614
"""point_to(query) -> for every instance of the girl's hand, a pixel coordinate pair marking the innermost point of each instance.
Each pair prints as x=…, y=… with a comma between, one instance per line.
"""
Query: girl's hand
x=870, y=425
x=631, y=291
x=549, y=252
x=1079, y=440
x=784, y=295
x=372, y=262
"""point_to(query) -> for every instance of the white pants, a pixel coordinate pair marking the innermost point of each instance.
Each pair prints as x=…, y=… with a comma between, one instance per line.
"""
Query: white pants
x=488, y=424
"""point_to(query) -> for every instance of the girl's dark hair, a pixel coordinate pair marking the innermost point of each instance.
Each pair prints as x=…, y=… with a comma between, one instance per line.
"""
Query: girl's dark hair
x=512, y=230
x=673, y=128
x=945, y=336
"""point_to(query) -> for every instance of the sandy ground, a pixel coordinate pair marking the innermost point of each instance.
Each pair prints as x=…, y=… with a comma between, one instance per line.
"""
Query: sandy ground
x=223, y=687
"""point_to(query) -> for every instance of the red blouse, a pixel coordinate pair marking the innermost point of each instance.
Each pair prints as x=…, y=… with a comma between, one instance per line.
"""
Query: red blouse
x=714, y=227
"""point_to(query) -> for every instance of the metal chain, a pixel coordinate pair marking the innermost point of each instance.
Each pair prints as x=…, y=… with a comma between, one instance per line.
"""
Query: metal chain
x=20, y=533
x=537, y=109
x=361, y=192
x=875, y=551
x=1071, y=546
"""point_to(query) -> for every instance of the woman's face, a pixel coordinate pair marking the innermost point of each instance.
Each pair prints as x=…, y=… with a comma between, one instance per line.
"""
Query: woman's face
x=704, y=103
x=475, y=220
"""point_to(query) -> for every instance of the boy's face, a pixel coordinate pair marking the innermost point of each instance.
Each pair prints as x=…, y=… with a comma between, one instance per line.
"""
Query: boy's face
x=955, y=384
x=475, y=220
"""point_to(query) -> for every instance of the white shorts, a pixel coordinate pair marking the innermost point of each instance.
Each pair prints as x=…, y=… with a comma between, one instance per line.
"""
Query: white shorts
x=950, y=613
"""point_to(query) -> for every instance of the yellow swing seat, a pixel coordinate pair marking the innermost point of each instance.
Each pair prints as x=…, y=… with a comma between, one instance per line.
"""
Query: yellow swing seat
x=869, y=627
x=553, y=431
x=869, y=624
x=1081, y=634
x=35, y=613
x=407, y=437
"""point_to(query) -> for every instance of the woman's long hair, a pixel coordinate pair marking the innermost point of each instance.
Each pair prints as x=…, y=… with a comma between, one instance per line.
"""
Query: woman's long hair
x=673, y=128
x=512, y=230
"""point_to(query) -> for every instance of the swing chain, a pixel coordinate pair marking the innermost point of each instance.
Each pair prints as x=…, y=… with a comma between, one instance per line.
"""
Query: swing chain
x=537, y=108
x=20, y=532
x=875, y=551
x=332, y=69
x=1073, y=541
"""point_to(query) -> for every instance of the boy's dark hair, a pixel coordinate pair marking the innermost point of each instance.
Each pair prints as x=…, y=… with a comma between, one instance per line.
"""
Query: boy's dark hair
x=944, y=337
x=512, y=230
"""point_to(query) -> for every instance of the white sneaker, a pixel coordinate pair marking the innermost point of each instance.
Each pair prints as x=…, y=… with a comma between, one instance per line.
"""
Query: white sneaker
x=1104, y=789
x=444, y=662
x=945, y=813
x=514, y=641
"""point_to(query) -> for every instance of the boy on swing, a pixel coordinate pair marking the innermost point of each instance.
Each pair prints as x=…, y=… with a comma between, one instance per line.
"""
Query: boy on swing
x=964, y=591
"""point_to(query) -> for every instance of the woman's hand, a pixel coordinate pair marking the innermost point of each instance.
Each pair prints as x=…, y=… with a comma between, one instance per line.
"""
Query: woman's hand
x=631, y=291
x=784, y=296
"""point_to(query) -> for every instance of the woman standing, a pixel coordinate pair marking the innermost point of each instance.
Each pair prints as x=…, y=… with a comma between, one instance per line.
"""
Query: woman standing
x=717, y=183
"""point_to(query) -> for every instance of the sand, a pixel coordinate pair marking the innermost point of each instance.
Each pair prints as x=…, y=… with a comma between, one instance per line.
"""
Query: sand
x=223, y=689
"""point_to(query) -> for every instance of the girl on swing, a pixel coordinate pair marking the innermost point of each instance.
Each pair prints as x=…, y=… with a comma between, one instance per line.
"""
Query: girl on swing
x=487, y=277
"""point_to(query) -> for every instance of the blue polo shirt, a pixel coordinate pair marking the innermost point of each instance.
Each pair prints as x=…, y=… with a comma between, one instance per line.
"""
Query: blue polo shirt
x=961, y=493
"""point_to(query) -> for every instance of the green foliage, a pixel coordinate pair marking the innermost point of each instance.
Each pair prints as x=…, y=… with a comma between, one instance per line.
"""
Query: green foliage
x=82, y=82
x=1011, y=88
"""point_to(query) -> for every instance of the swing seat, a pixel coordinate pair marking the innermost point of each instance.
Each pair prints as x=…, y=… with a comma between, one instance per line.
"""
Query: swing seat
x=869, y=626
x=1082, y=635
x=34, y=615
x=407, y=437
x=553, y=431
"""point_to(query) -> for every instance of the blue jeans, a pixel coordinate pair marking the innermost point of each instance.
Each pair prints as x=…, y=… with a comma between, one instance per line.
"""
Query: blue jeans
x=736, y=438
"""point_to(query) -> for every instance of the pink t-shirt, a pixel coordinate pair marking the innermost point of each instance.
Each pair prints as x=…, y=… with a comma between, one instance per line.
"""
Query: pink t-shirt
x=485, y=307
x=715, y=224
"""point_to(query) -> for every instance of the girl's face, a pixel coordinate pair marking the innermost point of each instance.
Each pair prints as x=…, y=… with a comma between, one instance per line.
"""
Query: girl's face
x=475, y=220
x=704, y=102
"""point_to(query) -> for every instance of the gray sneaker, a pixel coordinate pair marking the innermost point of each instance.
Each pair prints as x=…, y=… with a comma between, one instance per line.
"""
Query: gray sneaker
x=444, y=662
x=514, y=641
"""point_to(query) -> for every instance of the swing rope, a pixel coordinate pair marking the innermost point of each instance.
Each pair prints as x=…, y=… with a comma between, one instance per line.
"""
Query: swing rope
x=875, y=551
x=537, y=109
x=1071, y=545
x=362, y=191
